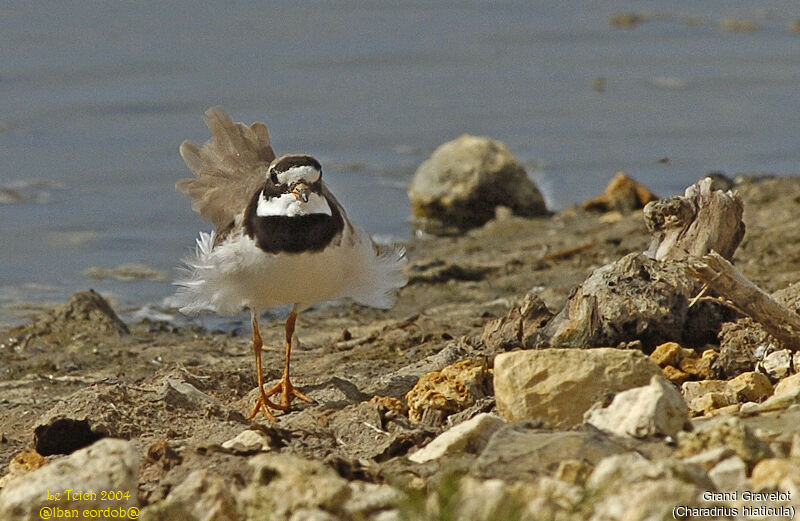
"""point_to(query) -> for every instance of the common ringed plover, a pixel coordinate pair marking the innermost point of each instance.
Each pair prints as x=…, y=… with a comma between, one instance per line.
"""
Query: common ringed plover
x=280, y=238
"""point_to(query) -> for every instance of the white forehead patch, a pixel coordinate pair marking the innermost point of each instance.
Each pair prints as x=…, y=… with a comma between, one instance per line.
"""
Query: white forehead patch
x=288, y=205
x=305, y=173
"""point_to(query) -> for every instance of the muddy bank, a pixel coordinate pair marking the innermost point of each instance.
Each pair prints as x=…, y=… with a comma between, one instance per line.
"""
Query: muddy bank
x=181, y=395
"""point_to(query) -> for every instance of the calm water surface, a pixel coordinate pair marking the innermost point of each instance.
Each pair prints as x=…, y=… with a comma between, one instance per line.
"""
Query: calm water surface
x=95, y=99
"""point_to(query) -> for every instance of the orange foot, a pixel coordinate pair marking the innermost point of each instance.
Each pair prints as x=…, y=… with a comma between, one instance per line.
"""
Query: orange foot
x=287, y=390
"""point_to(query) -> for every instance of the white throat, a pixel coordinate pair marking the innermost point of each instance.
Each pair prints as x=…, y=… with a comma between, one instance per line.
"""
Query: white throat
x=288, y=205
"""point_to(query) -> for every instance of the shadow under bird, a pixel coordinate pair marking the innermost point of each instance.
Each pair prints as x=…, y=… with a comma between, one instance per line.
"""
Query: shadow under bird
x=280, y=238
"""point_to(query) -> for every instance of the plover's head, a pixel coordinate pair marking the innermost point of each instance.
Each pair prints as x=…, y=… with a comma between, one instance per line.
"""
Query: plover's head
x=293, y=188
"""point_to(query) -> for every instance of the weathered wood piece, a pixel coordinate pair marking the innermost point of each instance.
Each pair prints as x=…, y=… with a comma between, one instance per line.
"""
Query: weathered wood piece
x=727, y=281
x=696, y=223
x=645, y=296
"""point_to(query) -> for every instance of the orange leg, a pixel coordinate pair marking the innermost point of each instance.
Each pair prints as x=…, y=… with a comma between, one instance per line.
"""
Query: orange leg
x=263, y=403
x=285, y=386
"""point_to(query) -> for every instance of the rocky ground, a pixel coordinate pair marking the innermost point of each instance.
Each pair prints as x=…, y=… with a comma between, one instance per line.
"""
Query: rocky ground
x=429, y=410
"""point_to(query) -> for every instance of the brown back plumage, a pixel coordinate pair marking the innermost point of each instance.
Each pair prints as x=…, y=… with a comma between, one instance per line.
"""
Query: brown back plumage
x=229, y=167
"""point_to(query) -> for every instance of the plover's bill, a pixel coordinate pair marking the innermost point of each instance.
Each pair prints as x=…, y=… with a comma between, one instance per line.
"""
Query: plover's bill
x=280, y=238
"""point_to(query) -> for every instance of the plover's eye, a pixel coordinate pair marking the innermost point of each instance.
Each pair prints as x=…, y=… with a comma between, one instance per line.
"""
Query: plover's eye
x=273, y=177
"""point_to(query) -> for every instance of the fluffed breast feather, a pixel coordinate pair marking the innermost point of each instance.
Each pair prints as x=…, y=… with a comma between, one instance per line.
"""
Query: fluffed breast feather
x=229, y=167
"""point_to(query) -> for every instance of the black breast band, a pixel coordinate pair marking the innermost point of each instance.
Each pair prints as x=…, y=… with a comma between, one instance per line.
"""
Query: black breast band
x=279, y=233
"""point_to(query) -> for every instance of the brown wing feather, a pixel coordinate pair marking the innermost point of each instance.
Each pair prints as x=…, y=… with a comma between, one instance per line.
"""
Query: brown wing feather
x=229, y=167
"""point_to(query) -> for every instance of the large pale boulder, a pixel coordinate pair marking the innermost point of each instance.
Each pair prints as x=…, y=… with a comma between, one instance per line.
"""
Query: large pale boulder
x=107, y=465
x=465, y=179
x=557, y=386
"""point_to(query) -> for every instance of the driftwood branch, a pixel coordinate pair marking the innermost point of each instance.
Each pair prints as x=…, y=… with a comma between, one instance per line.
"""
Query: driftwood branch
x=695, y=223
x=722, y=277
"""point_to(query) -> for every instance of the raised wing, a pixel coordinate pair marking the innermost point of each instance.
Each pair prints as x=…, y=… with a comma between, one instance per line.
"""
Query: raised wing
x=228, y=168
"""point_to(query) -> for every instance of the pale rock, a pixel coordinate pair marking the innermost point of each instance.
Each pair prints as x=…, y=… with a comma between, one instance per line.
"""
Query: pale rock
x=796, y=362
x=708, y=403
x=202, y=496
x=388, y=515
x=784, y=400
x=749, y=408
x=704, y=396
x=788, y=385
x=283, y=484
x=657, y=409
x=179, y=393
x=313, y=514
x=470, y=436
x=465, y=179
x=748, y=387
x=694, y=390
x=557, y=386
x=248, y=441
x=777, y=364
x=709, y=458
x=771, y=473
x=366, y=499
x=722, y=411
x=729, y=474
x=108, y=464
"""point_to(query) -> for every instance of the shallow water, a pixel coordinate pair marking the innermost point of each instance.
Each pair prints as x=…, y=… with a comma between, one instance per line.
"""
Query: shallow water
x=95, y=100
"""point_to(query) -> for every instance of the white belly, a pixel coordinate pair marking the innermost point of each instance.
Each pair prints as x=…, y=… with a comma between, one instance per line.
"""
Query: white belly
x=238, y=274
x=269, y=280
